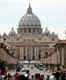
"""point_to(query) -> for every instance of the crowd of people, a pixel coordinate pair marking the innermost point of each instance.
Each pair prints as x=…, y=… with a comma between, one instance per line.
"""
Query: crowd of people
x=58, y=75
x=17, y=76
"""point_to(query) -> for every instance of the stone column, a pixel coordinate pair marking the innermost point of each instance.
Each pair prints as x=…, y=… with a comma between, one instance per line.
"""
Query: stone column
x=62, y=55
x=22, y=53
x=26, y=52
x=31, y=30
x=57, y=56
x=37, y=52
x=31, y=53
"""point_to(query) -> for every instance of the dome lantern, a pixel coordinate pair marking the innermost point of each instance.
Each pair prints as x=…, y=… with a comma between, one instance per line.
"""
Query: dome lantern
x=29, y=10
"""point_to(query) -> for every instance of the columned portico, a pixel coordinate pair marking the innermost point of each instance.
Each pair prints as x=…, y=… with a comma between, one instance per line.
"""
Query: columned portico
x=29, y=53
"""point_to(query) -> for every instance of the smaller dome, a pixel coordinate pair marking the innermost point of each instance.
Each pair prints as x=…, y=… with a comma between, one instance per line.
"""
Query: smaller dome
x=5, y=35
x=12, y=32
x=46, y=32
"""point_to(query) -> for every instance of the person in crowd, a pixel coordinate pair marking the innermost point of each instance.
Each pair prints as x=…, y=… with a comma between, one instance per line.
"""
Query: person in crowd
x=9, y=76
x=5, y=75
x=62, y=77
x=5, y=78
x=32, y=76
x=41, y=77
x=16, y=76
x=22, y=77
x=47, y=77
x=1, y=76
x=58, y=74
x=36, y=76
x=52, y=77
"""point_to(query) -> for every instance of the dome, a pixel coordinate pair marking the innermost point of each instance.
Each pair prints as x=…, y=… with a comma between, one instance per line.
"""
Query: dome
x=12, y=32
x=29, y=19
x=5, y=35
x=46, y=32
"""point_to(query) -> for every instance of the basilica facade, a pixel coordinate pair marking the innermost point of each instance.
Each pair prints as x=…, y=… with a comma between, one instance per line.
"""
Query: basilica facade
x=29, y=41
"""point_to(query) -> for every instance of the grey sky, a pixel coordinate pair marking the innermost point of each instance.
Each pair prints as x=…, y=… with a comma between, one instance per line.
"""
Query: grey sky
x=52, y=13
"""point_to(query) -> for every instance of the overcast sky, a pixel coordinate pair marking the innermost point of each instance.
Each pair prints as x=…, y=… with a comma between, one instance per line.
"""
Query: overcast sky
x=52, y=13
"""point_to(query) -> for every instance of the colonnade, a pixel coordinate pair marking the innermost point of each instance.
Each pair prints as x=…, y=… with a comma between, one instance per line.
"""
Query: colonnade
x=31, y=53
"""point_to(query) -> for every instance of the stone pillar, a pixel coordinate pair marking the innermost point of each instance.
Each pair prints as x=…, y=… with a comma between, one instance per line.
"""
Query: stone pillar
x=62, y=55
x=57, y=56
x=22, y=53
x=31, y=53
x=31, y=30
x=35, y=53
x=26, y=52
